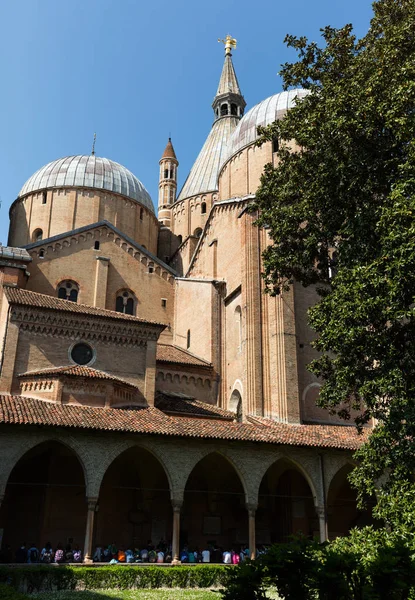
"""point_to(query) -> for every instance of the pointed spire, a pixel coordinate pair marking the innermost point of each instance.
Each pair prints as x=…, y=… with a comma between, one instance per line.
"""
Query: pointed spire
x=228, y=83
x=169, y=151
x=228, y=100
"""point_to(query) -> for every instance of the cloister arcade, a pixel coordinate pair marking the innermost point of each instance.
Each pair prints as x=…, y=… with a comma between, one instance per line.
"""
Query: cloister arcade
x=91, y=490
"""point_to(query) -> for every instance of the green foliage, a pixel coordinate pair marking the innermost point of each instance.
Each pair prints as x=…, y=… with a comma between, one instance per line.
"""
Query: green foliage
x=367, y=565
x=349, y=188
x=8, y=592
x=50, y=578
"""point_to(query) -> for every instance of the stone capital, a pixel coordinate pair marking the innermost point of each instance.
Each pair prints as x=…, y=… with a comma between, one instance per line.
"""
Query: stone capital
x=92, y=503
x=251, y=508
x=177, y=505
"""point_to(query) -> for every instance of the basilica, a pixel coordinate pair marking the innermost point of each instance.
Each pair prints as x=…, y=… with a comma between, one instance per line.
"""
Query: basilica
x=149, y=388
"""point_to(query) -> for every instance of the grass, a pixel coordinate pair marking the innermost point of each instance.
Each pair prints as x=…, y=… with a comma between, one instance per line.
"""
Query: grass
x=158, y=594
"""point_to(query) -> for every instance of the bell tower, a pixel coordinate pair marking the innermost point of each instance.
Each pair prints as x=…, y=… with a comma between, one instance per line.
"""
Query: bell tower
x=167, y=184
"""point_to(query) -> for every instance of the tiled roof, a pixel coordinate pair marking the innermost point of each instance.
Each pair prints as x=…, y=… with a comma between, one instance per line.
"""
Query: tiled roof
x=174, y=354
x=88, y=171
x=203, y=176
x=74, y=371
x=17, y=295
x=179, y=404
x=169, y=151
x=11, y=253
x=21, y=410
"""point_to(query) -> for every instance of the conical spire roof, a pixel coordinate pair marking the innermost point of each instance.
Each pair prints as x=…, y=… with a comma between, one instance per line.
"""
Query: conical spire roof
x=169, y=151
x=228, y=107
x=228, y=83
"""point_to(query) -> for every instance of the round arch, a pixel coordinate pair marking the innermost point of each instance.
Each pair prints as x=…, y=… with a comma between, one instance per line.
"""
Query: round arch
x=214, y=514
x=46, y=481
x=286, y=503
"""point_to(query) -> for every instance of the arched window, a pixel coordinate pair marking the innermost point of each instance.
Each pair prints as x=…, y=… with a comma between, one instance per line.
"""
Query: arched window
x=188, y=339
x=223, y=110
x=37, y=235
x=235, y=405
x=68, y=290
x=234, y=109
x=125, y=302
x=96, y=245
x=198, y=232
x=275, y=144
x=203, y=208
x=238, y=318
x=166, y=173
x=44, y=197
x=141, y=214
x=180, y=238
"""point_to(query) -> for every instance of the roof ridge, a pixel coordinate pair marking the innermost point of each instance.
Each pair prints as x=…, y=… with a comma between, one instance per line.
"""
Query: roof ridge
x=67, y=370
x=95, y=225
x=69, y=306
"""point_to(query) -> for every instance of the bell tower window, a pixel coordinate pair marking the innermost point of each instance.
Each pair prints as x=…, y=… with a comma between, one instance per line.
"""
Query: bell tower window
x=223, y=110
x=68, y=290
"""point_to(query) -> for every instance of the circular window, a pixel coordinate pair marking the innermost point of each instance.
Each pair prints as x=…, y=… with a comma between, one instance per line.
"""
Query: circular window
x=82, y=354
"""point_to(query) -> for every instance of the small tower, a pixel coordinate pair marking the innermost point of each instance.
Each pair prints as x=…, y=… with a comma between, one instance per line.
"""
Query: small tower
x=167, y=184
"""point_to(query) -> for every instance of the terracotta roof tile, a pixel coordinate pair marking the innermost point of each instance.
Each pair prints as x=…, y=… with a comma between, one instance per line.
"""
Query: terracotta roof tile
x=180, y=405
x=17, y=295
x=75, y=371
x=169, y=151
x=29, y=411
x=174, y=354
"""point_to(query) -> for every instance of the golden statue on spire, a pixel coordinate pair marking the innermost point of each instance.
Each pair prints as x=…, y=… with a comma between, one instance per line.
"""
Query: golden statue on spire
x=230, y=43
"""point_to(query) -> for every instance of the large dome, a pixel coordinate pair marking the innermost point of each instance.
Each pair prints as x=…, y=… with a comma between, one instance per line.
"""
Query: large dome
x=88, y=172
x=264, y=113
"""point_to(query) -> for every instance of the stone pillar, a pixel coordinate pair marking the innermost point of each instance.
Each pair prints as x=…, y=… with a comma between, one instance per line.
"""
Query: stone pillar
x=322, y=522
x=177, y=505
x=89, y=533
x=101, y=280
x=150, y=376
x=251, y=508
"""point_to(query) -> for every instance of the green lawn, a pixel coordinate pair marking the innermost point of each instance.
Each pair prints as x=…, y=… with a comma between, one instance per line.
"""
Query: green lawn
x=162, y=594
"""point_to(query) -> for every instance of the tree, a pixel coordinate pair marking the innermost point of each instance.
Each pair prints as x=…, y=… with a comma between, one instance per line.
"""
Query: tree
x=340, y=211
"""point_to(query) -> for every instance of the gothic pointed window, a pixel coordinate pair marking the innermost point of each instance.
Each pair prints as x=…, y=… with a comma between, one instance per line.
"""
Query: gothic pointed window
x=68, y=290
x=125, y=302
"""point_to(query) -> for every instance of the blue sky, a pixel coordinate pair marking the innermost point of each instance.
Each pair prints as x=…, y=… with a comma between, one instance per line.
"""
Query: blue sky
x=134, y=72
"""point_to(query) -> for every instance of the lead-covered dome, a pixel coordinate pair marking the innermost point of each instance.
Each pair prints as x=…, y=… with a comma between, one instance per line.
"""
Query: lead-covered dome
x=88, y=172
x=264, y=113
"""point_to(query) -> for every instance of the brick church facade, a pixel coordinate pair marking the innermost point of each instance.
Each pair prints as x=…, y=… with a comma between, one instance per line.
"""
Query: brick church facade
x=149, y=389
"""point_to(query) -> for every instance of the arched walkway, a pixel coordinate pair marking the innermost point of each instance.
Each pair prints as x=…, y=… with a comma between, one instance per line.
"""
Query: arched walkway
x=134, y=502
x=285, y=505
x=45, y=498
x=214, y=513
x=342, y=511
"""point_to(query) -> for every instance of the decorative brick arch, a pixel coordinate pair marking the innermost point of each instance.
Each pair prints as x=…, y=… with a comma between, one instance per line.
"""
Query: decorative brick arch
x=17, y=451
x=230, y=458
x=117, y=450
